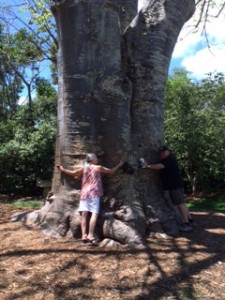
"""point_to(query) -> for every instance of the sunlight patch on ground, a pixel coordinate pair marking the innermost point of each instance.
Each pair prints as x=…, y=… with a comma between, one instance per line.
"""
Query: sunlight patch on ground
x=216, y=230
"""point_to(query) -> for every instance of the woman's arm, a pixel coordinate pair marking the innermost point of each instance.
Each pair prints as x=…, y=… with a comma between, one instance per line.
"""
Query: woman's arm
x=110, y=171
x=74, y=173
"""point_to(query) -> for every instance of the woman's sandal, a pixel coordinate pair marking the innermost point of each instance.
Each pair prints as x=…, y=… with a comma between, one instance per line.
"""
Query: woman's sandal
x=84, y=241
x=92, y=242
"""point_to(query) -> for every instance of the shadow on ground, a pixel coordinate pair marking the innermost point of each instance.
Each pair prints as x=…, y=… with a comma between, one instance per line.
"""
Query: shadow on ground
x=34, y=266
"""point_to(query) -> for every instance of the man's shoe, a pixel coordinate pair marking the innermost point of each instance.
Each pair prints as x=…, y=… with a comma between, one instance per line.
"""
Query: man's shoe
x=186, y=228
x=192, y=223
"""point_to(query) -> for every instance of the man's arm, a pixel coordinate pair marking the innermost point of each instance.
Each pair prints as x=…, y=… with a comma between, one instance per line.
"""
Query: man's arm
x=158, y=166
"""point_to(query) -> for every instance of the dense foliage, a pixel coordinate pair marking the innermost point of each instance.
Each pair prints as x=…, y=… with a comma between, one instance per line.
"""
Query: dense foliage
x=27, y=143
x=194, y=128
x=27, y=131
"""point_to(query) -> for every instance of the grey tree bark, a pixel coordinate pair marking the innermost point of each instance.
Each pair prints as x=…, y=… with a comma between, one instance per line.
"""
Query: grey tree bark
x=112, y=65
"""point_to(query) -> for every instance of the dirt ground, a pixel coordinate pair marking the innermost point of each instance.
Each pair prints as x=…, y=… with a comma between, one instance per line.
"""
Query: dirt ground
x=36, y=267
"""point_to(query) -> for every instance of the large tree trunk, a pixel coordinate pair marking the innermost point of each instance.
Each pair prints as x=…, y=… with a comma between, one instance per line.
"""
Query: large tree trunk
x=112, y=67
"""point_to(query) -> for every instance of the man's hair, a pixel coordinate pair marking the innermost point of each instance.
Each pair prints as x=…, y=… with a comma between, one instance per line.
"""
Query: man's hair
x=163, y=149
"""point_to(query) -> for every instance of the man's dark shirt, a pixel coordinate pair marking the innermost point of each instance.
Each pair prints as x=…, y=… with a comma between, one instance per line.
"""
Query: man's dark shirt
x=170, y=175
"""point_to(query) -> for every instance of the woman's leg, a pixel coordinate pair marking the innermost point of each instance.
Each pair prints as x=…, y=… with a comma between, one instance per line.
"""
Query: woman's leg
x=92, y=224
x=83, y=224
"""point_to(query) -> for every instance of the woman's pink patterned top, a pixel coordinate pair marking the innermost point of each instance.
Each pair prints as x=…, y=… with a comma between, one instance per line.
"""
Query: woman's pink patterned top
x=91, y=183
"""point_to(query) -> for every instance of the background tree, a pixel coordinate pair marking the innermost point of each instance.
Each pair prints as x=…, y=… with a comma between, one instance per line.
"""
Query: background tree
x=194, y=122
x=19, y=52
x=28, y=134
x=10, y=85
x=31, y=44
x=27, y=152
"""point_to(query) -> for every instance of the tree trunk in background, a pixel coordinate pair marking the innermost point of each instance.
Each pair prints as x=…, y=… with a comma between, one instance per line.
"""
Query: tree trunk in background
x=112, y=67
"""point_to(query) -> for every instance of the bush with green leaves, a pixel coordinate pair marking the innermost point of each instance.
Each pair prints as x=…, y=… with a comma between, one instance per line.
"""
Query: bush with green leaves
x=28, y=144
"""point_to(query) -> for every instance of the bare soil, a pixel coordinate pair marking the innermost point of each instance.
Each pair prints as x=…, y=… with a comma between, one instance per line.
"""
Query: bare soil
x=35, y=267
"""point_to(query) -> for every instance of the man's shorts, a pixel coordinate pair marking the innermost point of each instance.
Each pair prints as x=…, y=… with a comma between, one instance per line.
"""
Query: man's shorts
x=92, y=205
x=176, y=196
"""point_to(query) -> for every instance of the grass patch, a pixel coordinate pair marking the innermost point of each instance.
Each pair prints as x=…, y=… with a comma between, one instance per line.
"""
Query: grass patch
x=197, y=203
x=207, y=204
x=28, y=204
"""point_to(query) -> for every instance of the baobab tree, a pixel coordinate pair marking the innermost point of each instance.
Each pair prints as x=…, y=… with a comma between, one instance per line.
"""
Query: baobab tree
x=113, y=61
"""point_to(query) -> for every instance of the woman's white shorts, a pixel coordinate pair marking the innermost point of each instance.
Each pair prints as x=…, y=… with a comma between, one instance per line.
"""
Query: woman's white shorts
x=92, y=205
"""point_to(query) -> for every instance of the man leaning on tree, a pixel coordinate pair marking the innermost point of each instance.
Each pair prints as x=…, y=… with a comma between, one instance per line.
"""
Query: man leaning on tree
x=173, y=186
